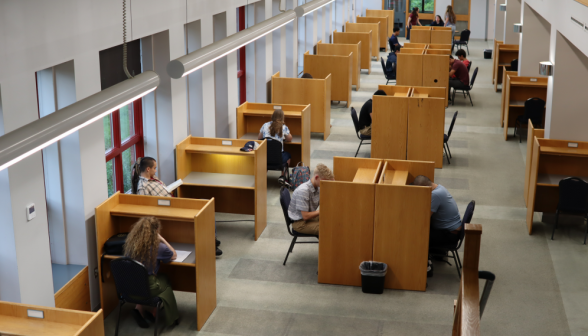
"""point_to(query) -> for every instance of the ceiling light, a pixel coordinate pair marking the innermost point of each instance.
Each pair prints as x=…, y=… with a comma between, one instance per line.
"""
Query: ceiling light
x=311, y=7
x=33, y=137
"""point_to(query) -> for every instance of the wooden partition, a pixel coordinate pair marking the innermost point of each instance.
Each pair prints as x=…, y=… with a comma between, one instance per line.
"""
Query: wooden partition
x=494, y=51
x=552, y=161
x=438, y=52
x=340, y=68
x=409, y=124
x=383, y=13
x=187, y=224
x=505, y=74
x=383, y=24
x=505, y=53
x=316, y=92
x=347, y=220
x=366, y=46
x=420, y=34
x=217, y=168
x=429, y=70
x=374, y=28
x=75, y=294
x=517, y=90
x=532, y=133
x=401, y=223
x=15, y=320
x=411, y=45
x=331, y=49
x=466, y=319
x=439, y=46
x=251, y=116
x=441, y=35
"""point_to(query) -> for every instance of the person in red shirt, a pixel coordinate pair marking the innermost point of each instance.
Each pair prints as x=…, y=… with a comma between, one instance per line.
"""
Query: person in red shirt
x=462, y=78
x=413, y=20
x=461, y=55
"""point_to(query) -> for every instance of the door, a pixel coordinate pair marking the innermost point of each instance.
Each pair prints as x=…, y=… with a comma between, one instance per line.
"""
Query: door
x=461, y=8
x=399, y=7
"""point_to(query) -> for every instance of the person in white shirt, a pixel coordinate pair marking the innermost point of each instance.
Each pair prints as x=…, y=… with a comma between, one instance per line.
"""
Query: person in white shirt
x=277, y=129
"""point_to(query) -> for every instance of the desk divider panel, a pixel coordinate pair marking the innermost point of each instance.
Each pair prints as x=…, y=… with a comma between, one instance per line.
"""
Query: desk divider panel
x=366, y=46
x=411, y=45
x=426, y=129
x=382, y=33
x=438, y=52
x=436, y=73
x=374, y=28
x=346, y=222
x=504, y=93
x=339, y=49
x=316, y=92
x=420, y=34
x=531, y=134
x=383, y=12
x=504, y=54
x=517, y=90
x=441, y=35
x=389, y=127
x=495, y=59
x=401, y=224
x=409, y=71
x=340, y=68
x=439, y=46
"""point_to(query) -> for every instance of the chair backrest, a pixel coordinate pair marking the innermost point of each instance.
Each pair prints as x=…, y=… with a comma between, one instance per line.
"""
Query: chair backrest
x=131, y=281
x=466, y=219
x=573, y=195
x=451, y=126
x=514, y=65
x=274, y=154
x=355, y=120
x=473, y=78
x=285, y=203
x=465, y=35
x=534, y=109
x=470, y=66
x=384, y=67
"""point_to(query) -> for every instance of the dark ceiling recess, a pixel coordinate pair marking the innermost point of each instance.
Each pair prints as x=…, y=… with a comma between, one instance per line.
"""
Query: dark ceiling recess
x=111, y=63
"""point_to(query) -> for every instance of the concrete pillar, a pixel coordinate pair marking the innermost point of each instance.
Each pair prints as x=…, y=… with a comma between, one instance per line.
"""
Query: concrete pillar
x=208, y=98
x=498, y=20
x=232, y=81
x=534, y=42
x=511, y=16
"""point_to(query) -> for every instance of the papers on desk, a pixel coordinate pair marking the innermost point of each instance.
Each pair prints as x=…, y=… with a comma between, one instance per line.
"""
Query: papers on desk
x=182, y=255
x=174, y=185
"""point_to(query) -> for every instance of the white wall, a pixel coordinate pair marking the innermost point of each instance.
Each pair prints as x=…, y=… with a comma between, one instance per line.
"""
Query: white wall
x=534, y=42
x=491, y=18
x=511, y=16
x=478, y=19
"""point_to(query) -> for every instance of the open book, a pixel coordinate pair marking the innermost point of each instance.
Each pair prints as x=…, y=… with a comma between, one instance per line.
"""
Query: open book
x=174, y=185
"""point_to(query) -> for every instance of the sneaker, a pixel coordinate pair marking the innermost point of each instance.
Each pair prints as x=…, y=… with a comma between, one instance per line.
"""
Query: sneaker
x=430, y=269
x=219, y=252
x=217, y=242
x=139, y=319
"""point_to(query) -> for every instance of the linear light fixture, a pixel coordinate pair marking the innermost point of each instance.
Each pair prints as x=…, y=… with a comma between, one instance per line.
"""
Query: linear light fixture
x=310, y=7
x=33, y=137
x=187, y=64
x=503, y=8
x=546, y=68
x=518, y=27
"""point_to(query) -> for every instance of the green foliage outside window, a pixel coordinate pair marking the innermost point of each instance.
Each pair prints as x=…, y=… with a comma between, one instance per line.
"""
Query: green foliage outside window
x=424, y=6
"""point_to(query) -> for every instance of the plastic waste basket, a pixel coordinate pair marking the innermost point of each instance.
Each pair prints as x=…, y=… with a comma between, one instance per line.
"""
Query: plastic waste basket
x=487, y=53
x=373, y=276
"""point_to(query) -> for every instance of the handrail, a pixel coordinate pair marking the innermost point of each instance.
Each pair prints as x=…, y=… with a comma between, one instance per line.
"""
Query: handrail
x=466, y=321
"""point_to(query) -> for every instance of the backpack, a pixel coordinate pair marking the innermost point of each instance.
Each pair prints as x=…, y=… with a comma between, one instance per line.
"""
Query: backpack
x=114, y=245
x=300, y=174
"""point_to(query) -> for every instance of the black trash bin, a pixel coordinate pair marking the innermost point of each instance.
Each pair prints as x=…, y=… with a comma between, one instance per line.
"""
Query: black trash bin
x=373, y=275
x=487, y=53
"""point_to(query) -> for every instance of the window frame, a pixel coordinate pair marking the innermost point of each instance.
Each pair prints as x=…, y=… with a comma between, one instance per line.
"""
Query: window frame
x=422, y=15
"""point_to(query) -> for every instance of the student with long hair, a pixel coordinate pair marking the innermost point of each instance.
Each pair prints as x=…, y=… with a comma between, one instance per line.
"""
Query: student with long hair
x=450, y=19
x=413, y=20
x=145, y=245
x=277, y=129
x=438, y=22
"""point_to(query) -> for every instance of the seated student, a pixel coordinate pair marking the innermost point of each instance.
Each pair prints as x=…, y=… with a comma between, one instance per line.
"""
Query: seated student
x=144, y=182
x=303, y=209
x=365, y=115
x=461, y=55
x=306, y=75
x=277, y=129
x=445, y=218
x=392, y=62
x=438, y=22
x=462, y=77
x=141, y=242
x=393, y=40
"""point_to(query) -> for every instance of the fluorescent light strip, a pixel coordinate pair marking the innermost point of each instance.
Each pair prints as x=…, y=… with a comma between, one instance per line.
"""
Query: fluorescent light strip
x=38, y=148
x=230, y=51
x=321, y=6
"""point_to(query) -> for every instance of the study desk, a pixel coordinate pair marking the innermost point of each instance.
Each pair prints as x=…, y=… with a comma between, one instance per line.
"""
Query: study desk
x=355, y=38
x=304, y=91
x=251, y=116
x=401, y=223
x=71, y=286
x=183, y=221
x=340, y=49
x=500, y=76
x=14, y=320
x=374, y=28
x=380, y=13
x=420, y=34
x=494, y=50
x=383, y=24
x=504, y=54
x=441, y=35
x=409, y=124
x=531, y=134
x=517, y=90
x=505, y=74
x=424, y=69
x=553, y=160
x=340, y=68
x=217, y=168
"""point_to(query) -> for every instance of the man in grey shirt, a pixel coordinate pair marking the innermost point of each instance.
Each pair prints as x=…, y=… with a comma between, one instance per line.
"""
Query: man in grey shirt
x=303, y=209
x=445, y=218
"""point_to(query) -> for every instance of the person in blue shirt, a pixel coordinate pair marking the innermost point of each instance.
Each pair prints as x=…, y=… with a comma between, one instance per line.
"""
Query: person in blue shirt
x=391, y=62
x=393, y=40
x=445, y=218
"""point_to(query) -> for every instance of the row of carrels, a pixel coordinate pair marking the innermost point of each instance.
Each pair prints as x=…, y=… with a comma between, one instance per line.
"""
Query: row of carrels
x=428, y=34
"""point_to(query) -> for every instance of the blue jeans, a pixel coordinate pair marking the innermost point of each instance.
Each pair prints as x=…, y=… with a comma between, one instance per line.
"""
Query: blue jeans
x=286, y=156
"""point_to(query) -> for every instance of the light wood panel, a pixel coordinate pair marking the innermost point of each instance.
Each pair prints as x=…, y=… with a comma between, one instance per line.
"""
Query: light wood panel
x=411, y=45
x=383, y=24
x=504, y=54
x=504, y=92
x=332, y=49
x=347, y=167
x=374, y=28
x=495, y=59
x=366, y=46
x=389, y=131
x=419, y=35
x=396, y=90
x=426, y=127
x=438, y=52
x=316, y=92
x=340, y=68
x=517, y=90
x=436, y=72
x=410, y=70
x=439, y=46
x=76, y=293
x=441, y=35
x=380, y=13
x=205, y=248
x=531, y=134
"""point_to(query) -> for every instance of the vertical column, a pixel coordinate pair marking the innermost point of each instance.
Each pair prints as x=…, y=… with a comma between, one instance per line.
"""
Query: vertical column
x=511, y=16
x=195, y=99
x=310, y=32
x=291, y=43
x=179, y=87
x=339, y=19
x=220, y=79
x=534, y=42
x=250, y=74
x=232, y=81
x=261, y=59
x=208, y=98
x=276, y=41
x=498, y=21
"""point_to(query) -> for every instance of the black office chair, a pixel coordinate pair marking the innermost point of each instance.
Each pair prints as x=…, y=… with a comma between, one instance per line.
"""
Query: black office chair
x=466, y=90
x=132, y=286
x=534, y=110
x=470, y=66
x=389, y=75
x=443, y=250
x=359, y=135
x=573, y=198
x=464, y=39
x=446, y=138
x=285, y=203
x=514, y=65
x=274, y=158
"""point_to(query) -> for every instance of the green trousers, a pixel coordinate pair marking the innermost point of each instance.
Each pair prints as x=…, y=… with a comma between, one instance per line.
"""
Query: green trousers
x=160, y=286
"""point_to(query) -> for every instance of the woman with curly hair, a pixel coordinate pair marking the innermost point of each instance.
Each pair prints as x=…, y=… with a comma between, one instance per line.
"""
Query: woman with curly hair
x=145, y=245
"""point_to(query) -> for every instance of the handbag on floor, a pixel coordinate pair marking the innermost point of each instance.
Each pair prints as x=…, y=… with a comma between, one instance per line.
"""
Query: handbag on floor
x=300, y=174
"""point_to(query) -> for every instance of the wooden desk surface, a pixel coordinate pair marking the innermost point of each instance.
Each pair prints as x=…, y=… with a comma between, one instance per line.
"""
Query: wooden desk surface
x=30, y=326
x=553, y=179
x=527, y=84
x=421, y=95
x=365, y=175
x=163, y=212
x=296, y=139
x=189, y=261
x=564, y=151
x=221, y=180
x=395, y=177
x=262, y=113
x=229, y=150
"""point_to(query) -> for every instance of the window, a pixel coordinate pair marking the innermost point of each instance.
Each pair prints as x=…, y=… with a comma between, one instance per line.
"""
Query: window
x=123, y=143
x=424, y=6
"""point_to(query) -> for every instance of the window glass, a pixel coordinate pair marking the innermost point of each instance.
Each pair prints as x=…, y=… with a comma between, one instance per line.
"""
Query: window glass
x=106, y=121
x=128, y=159
x=110, y=176
x=126, y=122
x=424, y=6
